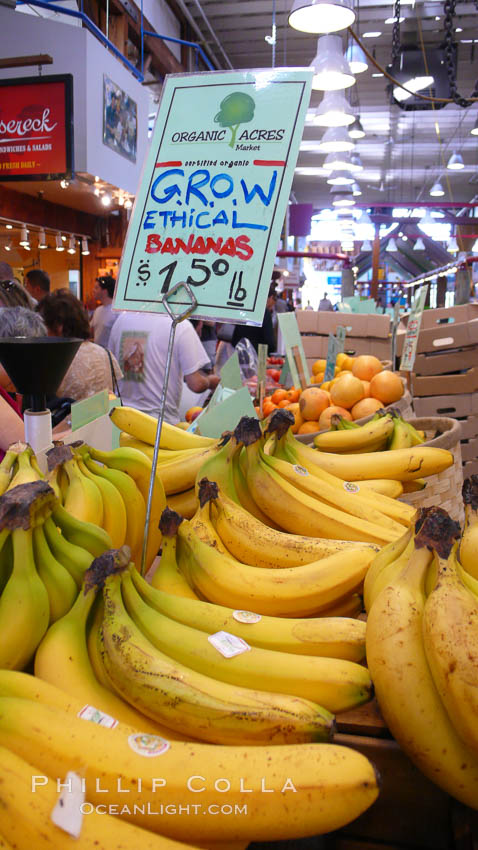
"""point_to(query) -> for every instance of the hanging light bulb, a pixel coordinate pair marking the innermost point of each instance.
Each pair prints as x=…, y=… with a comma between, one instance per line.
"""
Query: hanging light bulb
x=356, y=58
x=366, y=245
x=106, y=199
x=64, y=183
x=335, y=139
x=452, y=246
x=356, y=190
x=321, y=16
x=419, y=244
x=58, y=243
x=128, y=203
x=340, y=178
x=333, y=111
x=356, y=131
x=332, y=71
x=474, y=247
x=84, y=247
x=455, y=163
x=24, y=240
x=344, y=201
x=71, y=245
x=42, y=240
x=96, y=191
x=391, y=246
x=9, y=226
x=474, y=129
x=437, y=190
x=8, y=245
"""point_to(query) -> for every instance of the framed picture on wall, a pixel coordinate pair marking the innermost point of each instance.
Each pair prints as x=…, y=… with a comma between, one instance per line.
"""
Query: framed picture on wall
x=120, y=120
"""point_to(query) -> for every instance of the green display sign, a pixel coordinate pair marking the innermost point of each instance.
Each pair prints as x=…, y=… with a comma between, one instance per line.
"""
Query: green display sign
x=413, y=329
x=214, y=192
x=88, y=409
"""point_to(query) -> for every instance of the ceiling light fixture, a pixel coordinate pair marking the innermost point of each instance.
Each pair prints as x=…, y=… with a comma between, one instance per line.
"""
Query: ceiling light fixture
x=356, y=160
x=96, y=192
x=473, y=131
x=410, y=70
x=452, y=246
x=341, y=178
x=128, y=203
x=356, y=190
x=372, y=34
x=321, y=16
x=24, y=240
x=366, y=245
x=335, y=139
x=84, y=247
x=391, y=246
x=64, y=183
x=106, y=199
x=58, y=243
x=333, y=111
x=344, y=201
x=339, y=162
x=9, y=226
x=455, y=163
x=437, y=190
x=71, y=245
x=42, y=240
x=356, y=58
x=332, y=71
x=8, y=245
x=419, y=244
x=356, y=131
x=474, y=247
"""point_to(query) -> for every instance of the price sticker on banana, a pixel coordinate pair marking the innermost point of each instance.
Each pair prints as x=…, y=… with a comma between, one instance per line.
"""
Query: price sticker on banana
x=94, y=715
x=246, y=617
x=228, y=645
x=214, y=192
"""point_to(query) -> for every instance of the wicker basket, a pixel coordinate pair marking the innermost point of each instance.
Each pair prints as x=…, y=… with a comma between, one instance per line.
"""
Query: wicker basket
x=444, y=489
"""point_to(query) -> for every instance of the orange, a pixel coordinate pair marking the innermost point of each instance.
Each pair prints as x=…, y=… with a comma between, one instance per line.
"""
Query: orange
x=258, y=411
x=278, y=395
x=348, y=363
x=318, y=378
x=319, y=366
x=366, y=366
x=340, y=360
x=326, y=387
x=294, y=394
x=294, y=409
x=365, y=407
x=387, y=387
x=310, y=427
x=326, y=416
x=366, y=386
x=312, y=402
x=268, y=406
x=284, y=402
x=347, y=391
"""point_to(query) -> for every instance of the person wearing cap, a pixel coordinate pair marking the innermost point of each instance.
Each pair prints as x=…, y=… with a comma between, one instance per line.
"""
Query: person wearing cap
x=104, y=317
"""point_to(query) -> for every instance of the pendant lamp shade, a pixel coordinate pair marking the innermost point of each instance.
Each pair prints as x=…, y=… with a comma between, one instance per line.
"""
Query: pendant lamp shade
x=42, y=240
x=335, y=139
x=331, y=69
x=357, y=161
x=356, y=190
x=321, y=16
x=339, y=162
x=356, y=58
x=356, y=131
x=24, y=240
x=474, y=129
x=455, y=163
x=452, y=246
x=391, y=245
x=341, y=178
x=366, y=245
x=474, y=247
x=419, y=244
x=333, y=111
x=437, y=190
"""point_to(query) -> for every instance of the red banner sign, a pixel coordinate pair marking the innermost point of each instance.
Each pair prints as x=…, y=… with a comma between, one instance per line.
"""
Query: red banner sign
x=36, y=130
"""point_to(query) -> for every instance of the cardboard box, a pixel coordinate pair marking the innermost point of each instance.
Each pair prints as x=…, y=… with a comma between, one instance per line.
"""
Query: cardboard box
x=447, y=405
x=463, y=382
x=469, y=427
x=325, y=322
x=453, y=361
x=316, y=346
x=469, y=450
x=470, y=468
x=444, y=329
x=440, y=316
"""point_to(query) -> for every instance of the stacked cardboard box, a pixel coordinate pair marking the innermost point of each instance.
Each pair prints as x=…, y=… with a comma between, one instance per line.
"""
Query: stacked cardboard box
x=366, y=334
x=445, y=380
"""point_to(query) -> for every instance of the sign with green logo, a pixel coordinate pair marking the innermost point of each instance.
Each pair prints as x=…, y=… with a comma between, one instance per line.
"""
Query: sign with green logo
x=214, y=192
x=336, y=346
x=413, y=329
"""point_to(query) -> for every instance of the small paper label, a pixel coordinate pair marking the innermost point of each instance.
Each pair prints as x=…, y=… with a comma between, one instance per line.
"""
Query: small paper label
x=67, y=813
x=149, y=746
x=247, y=617
x=351, y=487
x=228, y=645
x=301, y=470
x=94, y=715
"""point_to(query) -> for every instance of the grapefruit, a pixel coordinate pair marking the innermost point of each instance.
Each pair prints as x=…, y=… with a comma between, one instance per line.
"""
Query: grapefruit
x=366, y=366
x=294, y=409
x=347, y=391
x=326, y=416
x=365, y=407
x=312, y=402
x=366, y=386
x=319, y=366
x=387, y=387
x=310, y=427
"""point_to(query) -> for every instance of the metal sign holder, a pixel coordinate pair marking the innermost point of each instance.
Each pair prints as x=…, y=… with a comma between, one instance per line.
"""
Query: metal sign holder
x=176, y=319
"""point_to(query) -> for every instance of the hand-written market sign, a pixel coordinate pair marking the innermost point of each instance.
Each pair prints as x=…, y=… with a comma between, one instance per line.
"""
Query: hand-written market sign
x=36, y=128
x=214, y=192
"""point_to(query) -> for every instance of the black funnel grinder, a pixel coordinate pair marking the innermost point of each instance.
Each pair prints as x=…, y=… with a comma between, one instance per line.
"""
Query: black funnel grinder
x=37, y=366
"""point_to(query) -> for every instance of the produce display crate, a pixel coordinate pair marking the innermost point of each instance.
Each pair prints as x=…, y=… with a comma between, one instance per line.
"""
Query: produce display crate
x=366, y=333
x=455, y=384
x=444, y=329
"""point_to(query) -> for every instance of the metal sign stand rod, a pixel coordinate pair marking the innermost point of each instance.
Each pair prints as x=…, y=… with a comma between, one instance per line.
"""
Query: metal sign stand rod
x=176, y=319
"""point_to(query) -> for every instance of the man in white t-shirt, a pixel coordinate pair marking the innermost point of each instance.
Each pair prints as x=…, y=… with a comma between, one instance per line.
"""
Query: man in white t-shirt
x=103, y=318
x=139, y=341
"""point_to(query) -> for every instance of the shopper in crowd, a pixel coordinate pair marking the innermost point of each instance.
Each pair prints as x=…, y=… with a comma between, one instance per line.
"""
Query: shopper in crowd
x=12, y=293
x=140, y=343
x=93, y=368
x=37, y=284
x=262, y=334
x=104, y=317
x=325, y=303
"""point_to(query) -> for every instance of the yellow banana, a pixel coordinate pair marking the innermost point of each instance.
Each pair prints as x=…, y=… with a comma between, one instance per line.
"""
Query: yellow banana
x=135, y=464
x=300, y=513
x=180, y=474
x=404, y=686
x=295, y=591
x=334, y=683
x=24, y=606
x=201, y=521
x=244, y=496
x=469, y=542
x=75, y=558
x=383, y=486
x=6, y=469
x=147, y=449
x=93, y=630
x=83, y=498
x=24, y=473
x=27, y=805
x=401, y=437
x=185, y=503
x=53, y=479
x=191, y=702
x=114, y=508
x=388, y=555
x=252, y=542
x=62, y=660
x=82, y=533
x=388, y=574
x=168, y=577
x=143, y=427
x=450, y=635
x=318, y=787
x=59, y=584
x=334, y=637
x=132, y=497
x=371, y=437
x=414, y=486
x=6, y=557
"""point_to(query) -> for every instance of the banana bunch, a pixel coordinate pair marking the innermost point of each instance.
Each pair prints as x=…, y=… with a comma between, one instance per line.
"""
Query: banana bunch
x=469, y=540
x=422, y=652
x=383, y=431
x=180, y=456
x=44, y=554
